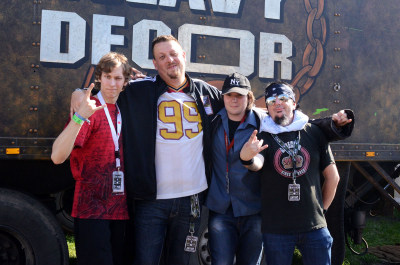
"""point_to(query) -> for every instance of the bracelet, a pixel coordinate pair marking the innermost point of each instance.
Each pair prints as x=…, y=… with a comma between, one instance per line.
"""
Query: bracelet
x=77, y=120
x=85, y=88
x=246, y=163
x=81, y=118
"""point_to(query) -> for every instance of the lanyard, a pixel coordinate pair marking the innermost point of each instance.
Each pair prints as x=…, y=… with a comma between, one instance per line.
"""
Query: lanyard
x=191, y=241
x=114, y=134
x=291, y=153
x=194, y=211
x=228, y=147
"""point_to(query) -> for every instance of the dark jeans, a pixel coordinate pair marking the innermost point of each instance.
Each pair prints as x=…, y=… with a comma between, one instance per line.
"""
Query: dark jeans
x=165, y=220
x=99, y=241
x=230, y=235
x=315, y=247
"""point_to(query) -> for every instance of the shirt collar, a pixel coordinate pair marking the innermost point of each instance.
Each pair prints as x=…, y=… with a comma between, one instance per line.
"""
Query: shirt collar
x=250, y=119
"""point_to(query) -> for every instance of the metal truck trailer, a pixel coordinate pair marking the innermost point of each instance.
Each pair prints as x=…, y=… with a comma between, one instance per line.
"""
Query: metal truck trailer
x=338, y=54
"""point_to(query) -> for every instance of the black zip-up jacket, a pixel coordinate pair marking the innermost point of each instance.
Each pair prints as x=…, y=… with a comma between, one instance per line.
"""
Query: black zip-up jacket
x=138, y=105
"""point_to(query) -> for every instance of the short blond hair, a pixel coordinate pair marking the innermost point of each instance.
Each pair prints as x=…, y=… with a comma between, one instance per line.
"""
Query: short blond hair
x=162, y=38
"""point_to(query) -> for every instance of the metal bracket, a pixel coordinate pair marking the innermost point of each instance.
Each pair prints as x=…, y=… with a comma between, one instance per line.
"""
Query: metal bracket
x=376, y=184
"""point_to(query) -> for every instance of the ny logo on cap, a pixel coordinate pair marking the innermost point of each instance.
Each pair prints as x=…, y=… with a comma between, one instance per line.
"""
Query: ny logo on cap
x=235, y=82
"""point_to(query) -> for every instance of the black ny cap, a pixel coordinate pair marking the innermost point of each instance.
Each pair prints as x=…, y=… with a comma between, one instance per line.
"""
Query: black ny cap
x=236, y=83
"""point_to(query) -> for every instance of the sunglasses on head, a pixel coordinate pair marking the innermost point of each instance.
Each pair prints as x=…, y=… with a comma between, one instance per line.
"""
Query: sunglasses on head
x=271, y=100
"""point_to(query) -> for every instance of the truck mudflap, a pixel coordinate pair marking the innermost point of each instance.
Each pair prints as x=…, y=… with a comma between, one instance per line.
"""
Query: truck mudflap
x=29, y=232
x=335, y=215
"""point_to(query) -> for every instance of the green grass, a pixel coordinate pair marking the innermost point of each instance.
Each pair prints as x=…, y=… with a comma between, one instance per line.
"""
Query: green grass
x=71, y=248
x=379, y=231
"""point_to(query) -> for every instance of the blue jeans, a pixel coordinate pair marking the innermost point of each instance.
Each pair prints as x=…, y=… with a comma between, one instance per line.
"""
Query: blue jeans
x=315, y=247
x=230, y=235
x=160, y=221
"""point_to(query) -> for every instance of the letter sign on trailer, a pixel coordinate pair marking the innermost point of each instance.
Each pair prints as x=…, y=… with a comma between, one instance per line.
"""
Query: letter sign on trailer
x=50, y=37
x=272, y=7
x=141, y=41
x=268, y=55
x=247, y=41
x=102, y=39
x=193, y=4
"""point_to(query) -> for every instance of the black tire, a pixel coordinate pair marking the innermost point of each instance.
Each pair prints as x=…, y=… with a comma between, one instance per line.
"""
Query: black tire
x=202, y=255
x=29, y=232
x=64, y=200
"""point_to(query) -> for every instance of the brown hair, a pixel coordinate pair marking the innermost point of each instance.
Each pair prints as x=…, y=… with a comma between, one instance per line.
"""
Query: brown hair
x=162, y=38
x=250, y=101
x=108, y=62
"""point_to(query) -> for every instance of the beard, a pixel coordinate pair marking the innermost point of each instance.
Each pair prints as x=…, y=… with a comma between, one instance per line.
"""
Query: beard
x=174, y=74
x=282, y=121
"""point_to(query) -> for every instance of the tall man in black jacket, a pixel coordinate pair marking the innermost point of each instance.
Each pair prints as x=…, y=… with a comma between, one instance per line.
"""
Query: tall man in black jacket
x=167, y=121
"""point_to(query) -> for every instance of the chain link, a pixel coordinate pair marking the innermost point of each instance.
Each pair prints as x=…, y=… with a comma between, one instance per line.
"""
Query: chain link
x=311, y=69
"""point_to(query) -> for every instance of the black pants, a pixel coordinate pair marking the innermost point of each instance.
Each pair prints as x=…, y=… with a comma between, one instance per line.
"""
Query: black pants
x=99, y=242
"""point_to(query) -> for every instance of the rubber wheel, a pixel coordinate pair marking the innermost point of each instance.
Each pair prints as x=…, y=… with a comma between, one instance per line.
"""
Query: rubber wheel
x=29, y=232
x=64, y=201
x=202, y=254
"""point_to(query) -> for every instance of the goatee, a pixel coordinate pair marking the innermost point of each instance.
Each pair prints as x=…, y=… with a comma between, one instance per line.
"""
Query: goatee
x=282, y=121
x=173, y=75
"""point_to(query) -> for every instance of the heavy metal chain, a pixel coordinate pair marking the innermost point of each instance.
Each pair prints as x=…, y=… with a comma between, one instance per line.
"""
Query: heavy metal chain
x=311, y=69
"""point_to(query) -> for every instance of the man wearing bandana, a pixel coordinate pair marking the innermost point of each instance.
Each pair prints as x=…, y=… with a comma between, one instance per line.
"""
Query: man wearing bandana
x=292, y=160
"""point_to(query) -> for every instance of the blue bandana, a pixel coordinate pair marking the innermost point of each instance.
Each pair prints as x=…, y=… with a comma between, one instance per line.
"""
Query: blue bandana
x=279, y=89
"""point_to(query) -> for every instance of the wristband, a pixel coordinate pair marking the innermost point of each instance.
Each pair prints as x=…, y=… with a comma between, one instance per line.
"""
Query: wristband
x=85, y=88
x=77, y=120
x=247, y=163
x=81, y=118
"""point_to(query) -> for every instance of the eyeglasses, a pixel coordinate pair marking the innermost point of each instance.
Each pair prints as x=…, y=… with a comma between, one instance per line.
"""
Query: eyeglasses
x=271, y=100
